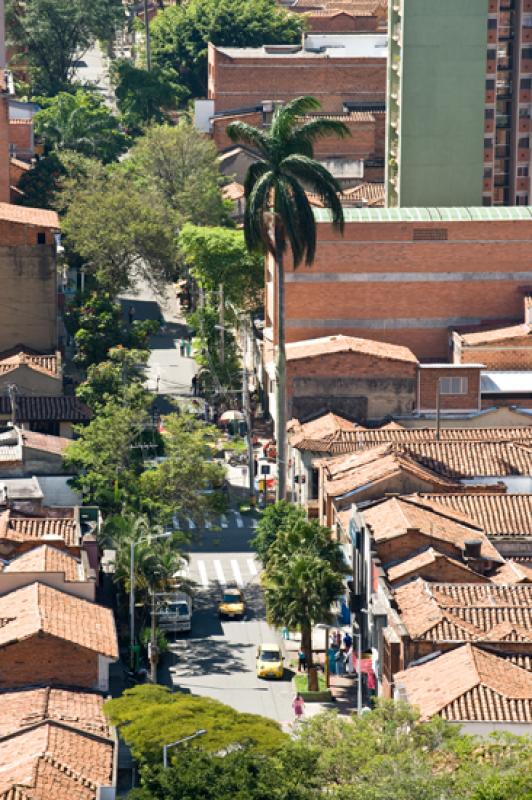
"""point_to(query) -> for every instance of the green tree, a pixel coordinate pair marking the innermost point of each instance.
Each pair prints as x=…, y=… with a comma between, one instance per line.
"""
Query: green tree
x=180, y=34
x=274, y=519
x=180, y=167
x=300, y=594
x=80, y=122
x=106, y=456
x=219, y=377
x=188, y=482
x=218, y=256
x=143, y=96
x=51, y=35
x=148, y=717
x=120, y=231
x=97, y=324
x=275, y=191
x=122, y=372
x=289, y=774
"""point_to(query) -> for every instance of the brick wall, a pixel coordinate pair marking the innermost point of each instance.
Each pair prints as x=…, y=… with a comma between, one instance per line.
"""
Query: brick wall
x=219, y=127
x=515, y=354
x=5, y=193
x=341, y=23
x=47, y=660
x=21, y=136
x=366, y=284
x=28, y=291
x=243, y=82
x=428, y=385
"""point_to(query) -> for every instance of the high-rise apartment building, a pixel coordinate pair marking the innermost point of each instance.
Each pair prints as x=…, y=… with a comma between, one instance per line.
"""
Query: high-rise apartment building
x=459, y=102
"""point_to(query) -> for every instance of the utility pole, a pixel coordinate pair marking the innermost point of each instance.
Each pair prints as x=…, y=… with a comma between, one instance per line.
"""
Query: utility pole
x=154, y=650
x=221, y=322
x=247, y=411
x=147, y=34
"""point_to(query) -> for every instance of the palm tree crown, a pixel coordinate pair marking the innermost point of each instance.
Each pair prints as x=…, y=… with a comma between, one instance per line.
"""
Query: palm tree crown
x=275, y=183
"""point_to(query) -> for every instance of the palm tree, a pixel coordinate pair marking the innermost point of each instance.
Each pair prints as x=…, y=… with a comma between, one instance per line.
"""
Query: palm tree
x=302, y=596
x=278, y=211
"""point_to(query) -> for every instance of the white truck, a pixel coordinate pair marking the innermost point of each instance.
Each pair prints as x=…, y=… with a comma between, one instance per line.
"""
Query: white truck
x=174, y=612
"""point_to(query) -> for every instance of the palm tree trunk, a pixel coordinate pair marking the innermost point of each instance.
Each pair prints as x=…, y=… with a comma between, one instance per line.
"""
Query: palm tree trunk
x=306, y=646
x=154, y=655
x=280, y=433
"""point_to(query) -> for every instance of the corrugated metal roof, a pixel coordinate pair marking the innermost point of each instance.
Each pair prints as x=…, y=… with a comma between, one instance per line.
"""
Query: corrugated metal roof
x=428, y=214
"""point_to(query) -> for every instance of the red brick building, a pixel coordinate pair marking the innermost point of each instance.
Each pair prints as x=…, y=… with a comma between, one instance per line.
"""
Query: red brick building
x=408, y=276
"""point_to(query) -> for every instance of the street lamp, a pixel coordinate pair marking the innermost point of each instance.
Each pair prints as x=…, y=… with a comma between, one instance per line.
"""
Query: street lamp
x=133, y=544
x=166, y=747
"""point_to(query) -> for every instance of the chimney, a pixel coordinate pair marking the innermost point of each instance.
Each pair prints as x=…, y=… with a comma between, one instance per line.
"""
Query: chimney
x=472, y=548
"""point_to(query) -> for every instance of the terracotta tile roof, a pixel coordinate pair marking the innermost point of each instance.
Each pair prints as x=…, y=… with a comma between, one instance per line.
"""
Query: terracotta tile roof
x=469, y=684
x=371, y=194
x=49, y=363
x=45, y=443
x=312, y=348
x=23, y=165
x=233, y=191
x=499, y=514
x=396, y=516
x=46, y=558
x=37, y=529
x=52, y=762
x=466, y=612
x=14, y=441
x=38, y=608
x=27, y=708
x=511, y=572
x=496, y=335
x=38, y=217
x=323, y=427
x=61, y=408
x=417, y=564
x=474, y=459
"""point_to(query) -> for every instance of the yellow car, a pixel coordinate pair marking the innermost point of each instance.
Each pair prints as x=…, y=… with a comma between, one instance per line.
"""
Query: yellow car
x=270, y=661
x=232, y=604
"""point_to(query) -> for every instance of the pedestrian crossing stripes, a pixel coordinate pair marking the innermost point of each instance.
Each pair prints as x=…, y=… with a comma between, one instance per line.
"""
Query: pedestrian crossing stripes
x=223, y=571
x=231, y=520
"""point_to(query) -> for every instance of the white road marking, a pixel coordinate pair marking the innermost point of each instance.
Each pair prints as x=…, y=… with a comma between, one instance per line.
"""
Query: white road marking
x=239, y=520
x=203, y=573
x=236, y=572
x=254, y=523
x=191, y=524
x=251, y=566
x=207, y=525
x=224, y=521
x=219, y=572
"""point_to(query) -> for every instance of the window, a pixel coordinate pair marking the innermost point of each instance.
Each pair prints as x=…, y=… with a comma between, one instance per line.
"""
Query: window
x=526, y=83
x=490, y=85
x=522, y=172
x=429, y=234
x=489, y=113
x=488, y=172
x=521, y=200
x=527, y=52
x=41, y=237
x=523, y=142
x=453, y=385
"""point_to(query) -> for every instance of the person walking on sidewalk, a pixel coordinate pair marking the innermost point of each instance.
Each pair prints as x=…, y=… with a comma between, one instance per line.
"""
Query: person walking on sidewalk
x=299, y=706
x=301, y=661
x=182, y=347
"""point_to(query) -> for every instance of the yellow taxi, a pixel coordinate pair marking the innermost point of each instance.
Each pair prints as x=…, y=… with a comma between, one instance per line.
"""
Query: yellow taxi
x=232, y=605
x=270, y=661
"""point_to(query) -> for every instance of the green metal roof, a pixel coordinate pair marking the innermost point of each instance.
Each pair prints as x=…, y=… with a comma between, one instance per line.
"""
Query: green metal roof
x=428, y=214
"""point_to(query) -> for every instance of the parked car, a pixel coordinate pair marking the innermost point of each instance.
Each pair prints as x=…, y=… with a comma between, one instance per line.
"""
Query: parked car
x=270, y=661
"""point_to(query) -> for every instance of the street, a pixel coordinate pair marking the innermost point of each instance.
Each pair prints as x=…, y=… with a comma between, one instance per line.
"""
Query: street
x=218, y=658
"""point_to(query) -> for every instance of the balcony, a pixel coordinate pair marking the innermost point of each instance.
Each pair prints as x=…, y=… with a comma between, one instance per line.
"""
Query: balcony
x=503, y=121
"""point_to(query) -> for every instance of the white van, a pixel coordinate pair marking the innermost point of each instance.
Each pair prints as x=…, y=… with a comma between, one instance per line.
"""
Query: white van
x=174, y=611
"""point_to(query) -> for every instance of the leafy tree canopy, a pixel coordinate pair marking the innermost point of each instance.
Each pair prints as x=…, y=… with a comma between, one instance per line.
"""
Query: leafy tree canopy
x=52, y=34
x=219, y=379
x=274, y=519
x=180, y=34
x=143, y=96
x=119, y=373
x=219, y=256
x=80, y=122
x=149, y=716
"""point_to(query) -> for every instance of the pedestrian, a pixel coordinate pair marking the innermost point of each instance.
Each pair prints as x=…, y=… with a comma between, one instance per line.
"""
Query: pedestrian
x=301, y=661
x=188, y=346
x=131, y=314
x=340, y=662
x=348, y=640
x=349, y=661
x=194, y=385
x=299, y=706
x=285, y=633
x=182, y=347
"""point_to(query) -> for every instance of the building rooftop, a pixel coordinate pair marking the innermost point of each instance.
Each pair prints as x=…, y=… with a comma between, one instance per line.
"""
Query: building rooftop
x=396, y=516
x=476, y=214
x=21, y=215
x=431, y=558
x=506, y=382
x=312, y=348
x=498, y=514
x=26, y=708
x=38, y=609
x=466, y=612
x=61, y=408
x=15, y=441
x=48, y=363
x=504, y=333
x=322, y=427
x=317, y=45
x=47, y=558
x=512, y=572
x=469, y=685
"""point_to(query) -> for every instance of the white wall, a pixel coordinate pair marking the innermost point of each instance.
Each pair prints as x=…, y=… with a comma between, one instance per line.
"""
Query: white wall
x=10, y=581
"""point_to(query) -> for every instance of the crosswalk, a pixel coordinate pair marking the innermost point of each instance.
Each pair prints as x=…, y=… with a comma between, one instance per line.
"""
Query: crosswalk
x=223, y=570
x=231, y=520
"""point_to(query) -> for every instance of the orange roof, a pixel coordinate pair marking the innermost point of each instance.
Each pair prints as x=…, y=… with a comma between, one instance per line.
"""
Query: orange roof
x=469, y=684
x=47, y=444
x=512, y=572
x=52, y=762
x=322, y=427
x=312, y=348
x=393, y=518
x=22, y=529
x=496, y=335
x=46, y=558
x=38, y=609
x=371, y=194
x=433, y=560
x=39, y=217
x=233, y=191
x=47, y=363
x=26, y=708
x=498, y=514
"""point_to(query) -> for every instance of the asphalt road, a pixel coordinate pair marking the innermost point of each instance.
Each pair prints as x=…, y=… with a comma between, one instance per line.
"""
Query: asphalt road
x=218, y=658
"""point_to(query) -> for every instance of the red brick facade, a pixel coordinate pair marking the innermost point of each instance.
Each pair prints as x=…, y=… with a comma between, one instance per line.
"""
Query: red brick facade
x=5, y=192
x=46, y=660
x=340, y=22
x=467, y=398
x=366, y=283
x=507, y=355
